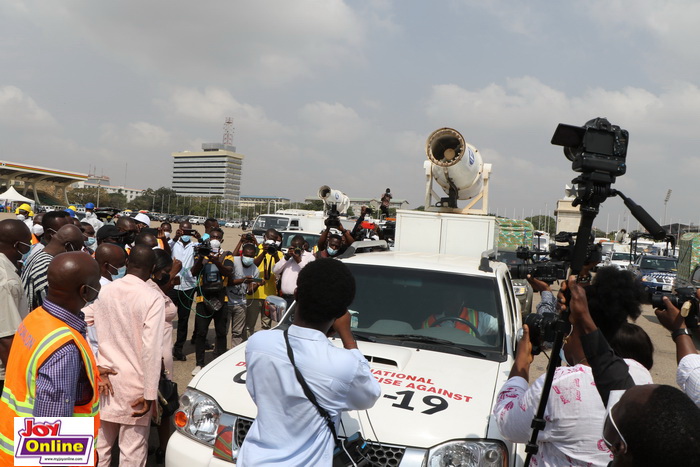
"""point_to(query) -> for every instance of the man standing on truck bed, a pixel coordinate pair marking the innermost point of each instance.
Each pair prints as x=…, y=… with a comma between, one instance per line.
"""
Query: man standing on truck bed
x=289, y=429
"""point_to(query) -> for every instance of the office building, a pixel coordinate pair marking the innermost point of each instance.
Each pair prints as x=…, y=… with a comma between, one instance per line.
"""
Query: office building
x=214, y=171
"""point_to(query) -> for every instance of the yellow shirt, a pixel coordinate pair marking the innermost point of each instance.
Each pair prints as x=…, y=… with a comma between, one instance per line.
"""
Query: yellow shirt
x=265, y=268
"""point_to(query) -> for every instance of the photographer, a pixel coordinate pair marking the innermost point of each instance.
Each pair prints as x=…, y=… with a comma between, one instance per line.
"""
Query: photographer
x=331, y=245
x=245, y=238
x=182, y=294
x=688, y=375
x=288, y=428
x=290, y=266
x=212, y=277
x=575, y=412
x=648, y=425
x=268, y=253
x=244, y=279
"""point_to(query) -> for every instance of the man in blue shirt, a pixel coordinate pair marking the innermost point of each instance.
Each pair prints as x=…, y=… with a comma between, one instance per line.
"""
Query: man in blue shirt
x=288, y=429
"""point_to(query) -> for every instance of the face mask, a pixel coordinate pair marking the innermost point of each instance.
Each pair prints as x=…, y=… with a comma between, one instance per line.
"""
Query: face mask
x=563, y=357
x=247, y=261
x=38, y=230
x=90, y=302
x=89, y=215
x=90, y=241
x=121, y=272
x=21, y=217
x=164, y=279
x=205, y=237
x=167, y=234
x=215, y=244
x=331, y=251
x=185, y=239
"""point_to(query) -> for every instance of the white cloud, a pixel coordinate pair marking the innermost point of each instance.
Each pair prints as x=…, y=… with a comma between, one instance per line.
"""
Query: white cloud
x=333, y=123
x=141, y=134
x=18, y=110
x=269, y=41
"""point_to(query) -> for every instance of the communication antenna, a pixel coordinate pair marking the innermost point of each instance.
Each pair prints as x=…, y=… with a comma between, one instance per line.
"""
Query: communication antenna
x=668, y=196
x=228, y=131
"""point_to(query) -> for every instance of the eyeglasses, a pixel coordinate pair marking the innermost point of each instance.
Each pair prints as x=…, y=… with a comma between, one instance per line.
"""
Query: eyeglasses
x=617, y=430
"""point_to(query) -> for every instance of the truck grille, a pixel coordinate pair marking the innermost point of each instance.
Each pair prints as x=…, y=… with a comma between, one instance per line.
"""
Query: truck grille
x=380, y=454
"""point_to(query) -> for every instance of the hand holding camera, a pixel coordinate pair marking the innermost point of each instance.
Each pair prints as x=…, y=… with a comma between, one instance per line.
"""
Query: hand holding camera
x=670, y=316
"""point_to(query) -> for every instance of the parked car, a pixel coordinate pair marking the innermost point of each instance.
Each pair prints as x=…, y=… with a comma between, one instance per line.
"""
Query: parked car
x=618, y=259
x=234, y=224
x=198, y=220
x=658, y=273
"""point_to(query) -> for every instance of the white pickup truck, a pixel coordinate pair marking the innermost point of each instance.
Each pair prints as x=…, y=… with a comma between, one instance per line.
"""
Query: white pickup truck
x=439, y=363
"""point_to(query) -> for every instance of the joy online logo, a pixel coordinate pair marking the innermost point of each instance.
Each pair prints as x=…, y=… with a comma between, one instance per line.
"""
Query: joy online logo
x=45, y=441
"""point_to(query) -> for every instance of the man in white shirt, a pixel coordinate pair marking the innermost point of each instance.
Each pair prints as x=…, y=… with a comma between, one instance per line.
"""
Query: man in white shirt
x=186, y=238
x=288, y=429
x=290, y=266
x=14, y=242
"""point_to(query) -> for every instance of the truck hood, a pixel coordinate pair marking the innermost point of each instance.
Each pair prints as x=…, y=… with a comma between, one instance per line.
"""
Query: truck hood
x=428, y=397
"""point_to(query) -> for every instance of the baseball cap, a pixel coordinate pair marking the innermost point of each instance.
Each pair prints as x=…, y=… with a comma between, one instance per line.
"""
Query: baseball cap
x=143, y=218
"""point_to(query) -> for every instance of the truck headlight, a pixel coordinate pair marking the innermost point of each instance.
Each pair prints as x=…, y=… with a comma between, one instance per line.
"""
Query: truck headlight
x=482, y=453
x=198, y=416
x=519, y=289
x=647, y=279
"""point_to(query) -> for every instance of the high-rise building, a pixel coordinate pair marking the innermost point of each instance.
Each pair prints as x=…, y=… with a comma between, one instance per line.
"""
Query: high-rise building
x=215, y=171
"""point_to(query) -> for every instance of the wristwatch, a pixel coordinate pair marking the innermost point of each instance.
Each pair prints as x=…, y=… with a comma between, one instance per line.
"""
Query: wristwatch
x=680, y=332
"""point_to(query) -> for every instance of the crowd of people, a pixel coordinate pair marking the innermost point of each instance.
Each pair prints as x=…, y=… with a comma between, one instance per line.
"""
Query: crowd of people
x=86, y=328
x=117, y=287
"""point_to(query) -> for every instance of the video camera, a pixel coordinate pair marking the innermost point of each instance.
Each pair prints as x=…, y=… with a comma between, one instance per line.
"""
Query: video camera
x=333, y=220
x=203, y=248
x=561, y=258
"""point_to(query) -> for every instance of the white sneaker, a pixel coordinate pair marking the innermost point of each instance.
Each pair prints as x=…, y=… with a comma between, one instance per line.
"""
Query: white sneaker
x=196, y=370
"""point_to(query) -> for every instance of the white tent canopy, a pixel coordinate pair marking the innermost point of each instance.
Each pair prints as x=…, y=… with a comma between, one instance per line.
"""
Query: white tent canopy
x=12, y=195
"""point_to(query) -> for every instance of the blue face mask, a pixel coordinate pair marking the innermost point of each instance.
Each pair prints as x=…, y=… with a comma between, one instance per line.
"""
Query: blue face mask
x=90, y=241
x=247, y=261
x=121, y=272
x=206, y=236
x=331, y=251
x=185, y=239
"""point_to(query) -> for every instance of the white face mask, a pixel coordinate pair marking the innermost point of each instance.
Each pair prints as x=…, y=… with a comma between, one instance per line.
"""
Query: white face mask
x=38, y=230
x=21, y=217
x=167, y=234
x=215, y=244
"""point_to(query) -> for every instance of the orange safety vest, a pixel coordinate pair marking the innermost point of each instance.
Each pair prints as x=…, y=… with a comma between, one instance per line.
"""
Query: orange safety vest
x=468, y=314
x=36, y=339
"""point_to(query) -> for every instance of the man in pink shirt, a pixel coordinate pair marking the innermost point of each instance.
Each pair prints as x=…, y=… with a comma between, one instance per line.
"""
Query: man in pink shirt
x=290, y=266
x=129, y=316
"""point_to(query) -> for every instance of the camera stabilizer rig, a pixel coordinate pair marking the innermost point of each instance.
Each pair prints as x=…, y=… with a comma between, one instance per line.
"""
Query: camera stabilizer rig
x=597, y=150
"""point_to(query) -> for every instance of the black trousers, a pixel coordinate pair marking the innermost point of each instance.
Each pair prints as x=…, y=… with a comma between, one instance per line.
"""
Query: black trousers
x=201, y=325
x=183, y=300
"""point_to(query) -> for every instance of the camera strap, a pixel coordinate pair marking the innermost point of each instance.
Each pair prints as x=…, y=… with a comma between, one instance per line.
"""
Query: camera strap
x=307, y=390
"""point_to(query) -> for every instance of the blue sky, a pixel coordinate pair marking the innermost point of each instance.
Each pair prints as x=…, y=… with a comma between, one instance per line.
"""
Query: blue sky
x=345, y=93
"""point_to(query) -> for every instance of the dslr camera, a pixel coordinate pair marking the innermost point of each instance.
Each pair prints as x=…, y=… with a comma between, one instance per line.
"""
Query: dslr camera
x=683, y=298
x=598, y=146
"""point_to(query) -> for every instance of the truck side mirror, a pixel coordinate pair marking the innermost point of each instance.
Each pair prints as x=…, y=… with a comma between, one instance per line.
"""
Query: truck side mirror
x=275, y=307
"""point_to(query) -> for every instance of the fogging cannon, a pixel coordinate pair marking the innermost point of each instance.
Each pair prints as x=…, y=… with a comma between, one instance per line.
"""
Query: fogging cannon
x=335, y=203
x=457, y=167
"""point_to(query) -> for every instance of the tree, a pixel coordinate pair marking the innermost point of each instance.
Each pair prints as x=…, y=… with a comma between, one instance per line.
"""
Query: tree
x=545, y=223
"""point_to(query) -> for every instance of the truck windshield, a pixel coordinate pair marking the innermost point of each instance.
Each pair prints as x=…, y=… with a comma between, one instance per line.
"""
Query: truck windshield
x=621, y=256
x=456, y=310
x=659, y=264
x=270, y=222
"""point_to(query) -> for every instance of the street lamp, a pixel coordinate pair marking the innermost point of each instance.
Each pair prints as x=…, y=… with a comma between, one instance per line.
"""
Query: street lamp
x=668, y=196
